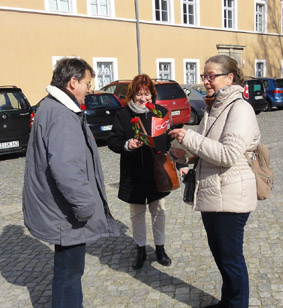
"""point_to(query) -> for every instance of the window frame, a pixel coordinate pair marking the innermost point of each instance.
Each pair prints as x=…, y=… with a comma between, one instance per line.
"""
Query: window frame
x=166, y=60
x=263, y=61
x=97, y=60
x=72, y=3
x=234, y=15
x=197, y=73
x=110, y=5
x=196, y=12
x=171, y=19
x=262, y=3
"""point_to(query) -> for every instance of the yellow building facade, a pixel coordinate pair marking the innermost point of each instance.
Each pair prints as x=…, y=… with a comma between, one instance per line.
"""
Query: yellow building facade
x=121, y=38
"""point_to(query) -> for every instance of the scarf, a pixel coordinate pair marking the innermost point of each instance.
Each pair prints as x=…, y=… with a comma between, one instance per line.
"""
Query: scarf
x=136, y=109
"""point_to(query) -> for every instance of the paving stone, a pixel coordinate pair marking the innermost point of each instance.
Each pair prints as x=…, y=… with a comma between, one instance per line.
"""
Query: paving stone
x=109, y=281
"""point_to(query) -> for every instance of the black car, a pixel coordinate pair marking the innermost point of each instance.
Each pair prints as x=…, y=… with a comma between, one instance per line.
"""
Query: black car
x=254, y=93
x=16, y=118
x=100, y=108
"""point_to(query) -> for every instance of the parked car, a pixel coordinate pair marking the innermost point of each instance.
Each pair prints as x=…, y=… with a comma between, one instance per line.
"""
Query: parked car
x=100, y=108
x=16, y=118
x=169, y=95
x=274, y=92
x=196, y=102
x=254, y=93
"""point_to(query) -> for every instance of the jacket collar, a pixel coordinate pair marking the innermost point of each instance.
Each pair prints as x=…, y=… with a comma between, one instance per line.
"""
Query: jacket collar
x=63, y=98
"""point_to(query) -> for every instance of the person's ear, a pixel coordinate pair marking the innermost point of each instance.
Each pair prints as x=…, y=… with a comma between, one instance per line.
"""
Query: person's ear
x=229, y=79
x=72, y=83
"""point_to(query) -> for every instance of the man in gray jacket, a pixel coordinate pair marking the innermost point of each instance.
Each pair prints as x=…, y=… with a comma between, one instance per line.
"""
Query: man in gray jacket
x=64, y=198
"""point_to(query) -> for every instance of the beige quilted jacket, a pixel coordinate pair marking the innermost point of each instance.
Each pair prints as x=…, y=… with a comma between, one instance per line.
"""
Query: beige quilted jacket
x=225, y=181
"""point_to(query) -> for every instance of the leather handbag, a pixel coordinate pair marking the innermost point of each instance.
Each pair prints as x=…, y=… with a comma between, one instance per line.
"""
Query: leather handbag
x=165, y=173
x=164, y=169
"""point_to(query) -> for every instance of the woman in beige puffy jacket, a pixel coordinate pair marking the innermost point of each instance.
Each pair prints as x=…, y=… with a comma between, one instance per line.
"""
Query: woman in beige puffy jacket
x=225, y=184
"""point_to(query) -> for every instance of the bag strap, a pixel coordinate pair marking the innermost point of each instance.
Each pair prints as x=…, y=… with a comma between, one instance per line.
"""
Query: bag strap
x=142, y=126
x=197, y=159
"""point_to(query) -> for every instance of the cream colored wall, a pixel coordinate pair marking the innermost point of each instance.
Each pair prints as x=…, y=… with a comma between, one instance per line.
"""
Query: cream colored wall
x=32, y=39
x=27, y=4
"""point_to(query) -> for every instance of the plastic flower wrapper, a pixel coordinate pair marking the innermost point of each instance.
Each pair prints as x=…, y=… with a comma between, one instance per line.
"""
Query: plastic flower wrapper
x=152, y=108
x=135, y=128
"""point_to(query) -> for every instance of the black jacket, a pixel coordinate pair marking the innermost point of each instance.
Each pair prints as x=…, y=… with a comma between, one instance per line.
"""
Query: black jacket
x=136, y=167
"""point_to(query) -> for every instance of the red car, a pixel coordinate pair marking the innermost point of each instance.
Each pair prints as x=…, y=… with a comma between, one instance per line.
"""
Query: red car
x=169, y=95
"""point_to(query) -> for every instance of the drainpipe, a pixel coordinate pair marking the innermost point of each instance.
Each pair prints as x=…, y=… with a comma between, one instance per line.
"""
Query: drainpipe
x=138, y=36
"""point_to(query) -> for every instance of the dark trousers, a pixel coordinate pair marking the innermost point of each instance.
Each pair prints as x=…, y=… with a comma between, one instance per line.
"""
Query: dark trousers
x=225, y=233
x=69, y=263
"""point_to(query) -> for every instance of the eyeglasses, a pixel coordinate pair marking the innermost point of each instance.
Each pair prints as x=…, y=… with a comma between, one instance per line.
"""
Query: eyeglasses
x=211, y=77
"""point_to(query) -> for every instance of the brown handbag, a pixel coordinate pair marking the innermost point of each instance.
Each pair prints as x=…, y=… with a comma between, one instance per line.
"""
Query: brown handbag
x=164, y=169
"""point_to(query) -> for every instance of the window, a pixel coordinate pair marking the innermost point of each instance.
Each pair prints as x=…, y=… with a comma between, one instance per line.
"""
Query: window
x=105, y=71
x=260, y=68
x=163, y=10
x=229, y=14
x=189, y=12
x=165, y=68
x=260, y=16
x=68, y=6
x=191, y=69
x=100, y=7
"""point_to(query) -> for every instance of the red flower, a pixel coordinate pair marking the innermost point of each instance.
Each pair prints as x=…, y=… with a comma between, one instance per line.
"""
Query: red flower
x=150, y=106
x=83, y=107
x=134, y=120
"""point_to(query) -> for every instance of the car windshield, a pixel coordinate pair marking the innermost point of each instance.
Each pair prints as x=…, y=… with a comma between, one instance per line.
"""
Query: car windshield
x=169, y=91
x=98, y=101
x=278, y=83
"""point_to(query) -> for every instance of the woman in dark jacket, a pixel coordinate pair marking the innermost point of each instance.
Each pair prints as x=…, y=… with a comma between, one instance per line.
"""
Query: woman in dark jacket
x=137, y=186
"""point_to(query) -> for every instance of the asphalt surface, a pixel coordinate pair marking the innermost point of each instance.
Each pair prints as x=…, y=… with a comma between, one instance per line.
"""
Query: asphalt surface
x=109, y=281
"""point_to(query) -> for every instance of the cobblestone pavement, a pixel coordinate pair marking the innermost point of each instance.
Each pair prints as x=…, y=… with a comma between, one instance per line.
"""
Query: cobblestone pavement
x=109, y=281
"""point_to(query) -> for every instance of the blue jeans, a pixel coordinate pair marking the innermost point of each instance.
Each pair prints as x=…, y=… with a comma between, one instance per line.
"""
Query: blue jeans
x=225, y=233
x=69, y=263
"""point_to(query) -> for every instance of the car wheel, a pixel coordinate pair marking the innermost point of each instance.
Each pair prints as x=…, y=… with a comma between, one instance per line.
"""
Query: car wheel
x=179, y=125
x=194, y=118
x=280, y=107
x=268, y=106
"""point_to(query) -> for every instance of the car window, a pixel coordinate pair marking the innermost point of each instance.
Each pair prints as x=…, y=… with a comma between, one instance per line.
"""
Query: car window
x=265, y=83
x=169, y=91
x=278, y=83
x=12, y=101
x=255, y=85
x=98, y=101
x=121, y=90
x=109, y=89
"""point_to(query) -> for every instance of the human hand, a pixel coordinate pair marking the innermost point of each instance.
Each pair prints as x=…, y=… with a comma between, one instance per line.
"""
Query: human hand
x=177, y=152
x=183, y=171
x=178, y=134
x=134, y=144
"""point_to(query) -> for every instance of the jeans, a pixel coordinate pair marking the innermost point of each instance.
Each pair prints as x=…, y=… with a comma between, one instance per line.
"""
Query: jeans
x=69, y=263
x=225, y=233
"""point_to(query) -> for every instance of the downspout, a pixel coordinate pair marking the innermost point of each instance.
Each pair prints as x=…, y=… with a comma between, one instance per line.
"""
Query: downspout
x=138, y=36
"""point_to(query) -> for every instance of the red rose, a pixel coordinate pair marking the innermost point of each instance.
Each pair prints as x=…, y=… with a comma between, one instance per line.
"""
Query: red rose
x=83, y=107
x=134, y=120
x=149, y=106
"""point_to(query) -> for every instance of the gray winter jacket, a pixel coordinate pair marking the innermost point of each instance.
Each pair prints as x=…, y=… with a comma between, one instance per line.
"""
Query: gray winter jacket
x=64, y=198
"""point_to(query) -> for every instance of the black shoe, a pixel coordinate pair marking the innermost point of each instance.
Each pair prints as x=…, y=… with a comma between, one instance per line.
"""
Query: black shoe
x=140, y=258
x=162, y=257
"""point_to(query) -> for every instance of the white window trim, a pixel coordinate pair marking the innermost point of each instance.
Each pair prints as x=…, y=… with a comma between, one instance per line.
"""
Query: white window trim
x=263, y=2
x=55, y=59
x=197, y=62
x=170, y=60
x=171, y=13
x=74, y=9
x=115, y=68
x=264, y=66
x=111, y=9
x=235, y=16
x=197, y=15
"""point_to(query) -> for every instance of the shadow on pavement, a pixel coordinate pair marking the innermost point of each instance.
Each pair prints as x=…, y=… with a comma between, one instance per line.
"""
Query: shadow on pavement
x=119, y=253
x=26, y=262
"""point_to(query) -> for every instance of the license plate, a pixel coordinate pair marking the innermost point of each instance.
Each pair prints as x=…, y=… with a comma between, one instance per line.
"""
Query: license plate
x=106, y=128
x=10, y=144
x=259, y=97
x=176, y=112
